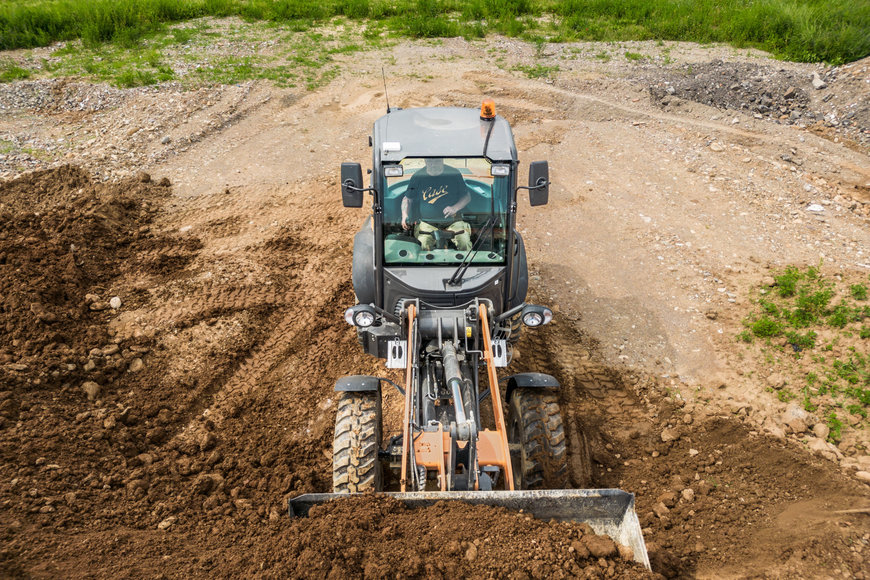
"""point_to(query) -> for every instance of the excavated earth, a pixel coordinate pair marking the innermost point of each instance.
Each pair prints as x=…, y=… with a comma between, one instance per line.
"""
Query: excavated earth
x=170, y=336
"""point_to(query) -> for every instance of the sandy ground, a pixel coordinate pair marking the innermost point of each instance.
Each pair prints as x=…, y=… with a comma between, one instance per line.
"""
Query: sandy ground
x=234, y=279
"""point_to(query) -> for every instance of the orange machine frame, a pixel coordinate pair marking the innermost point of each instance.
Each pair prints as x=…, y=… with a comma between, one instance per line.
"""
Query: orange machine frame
x=433, y=449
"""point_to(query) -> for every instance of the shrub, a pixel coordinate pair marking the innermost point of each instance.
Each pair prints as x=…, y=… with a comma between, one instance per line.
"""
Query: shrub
x=766, y=327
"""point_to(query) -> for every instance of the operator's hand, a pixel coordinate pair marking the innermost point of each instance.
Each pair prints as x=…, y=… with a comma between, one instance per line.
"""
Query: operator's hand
x=405, y=224
x=449, y=211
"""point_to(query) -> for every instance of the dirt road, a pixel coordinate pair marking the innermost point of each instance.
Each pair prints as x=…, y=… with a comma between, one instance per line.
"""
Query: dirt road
x=162, y=435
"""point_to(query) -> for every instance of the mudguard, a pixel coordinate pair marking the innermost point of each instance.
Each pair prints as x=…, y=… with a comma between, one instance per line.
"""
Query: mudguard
x=357, y=383
x=530, y=381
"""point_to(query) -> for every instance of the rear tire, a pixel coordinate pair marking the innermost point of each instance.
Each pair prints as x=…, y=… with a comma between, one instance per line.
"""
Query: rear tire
x=539, y=452
x=355, y=464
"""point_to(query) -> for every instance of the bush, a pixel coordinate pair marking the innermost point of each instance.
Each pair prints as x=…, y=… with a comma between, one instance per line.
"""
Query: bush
x=765, y=327
x=807, y=340
x=859, y=291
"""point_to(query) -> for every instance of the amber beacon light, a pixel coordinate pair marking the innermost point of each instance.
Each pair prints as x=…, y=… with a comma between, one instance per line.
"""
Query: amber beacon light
x=487, y=110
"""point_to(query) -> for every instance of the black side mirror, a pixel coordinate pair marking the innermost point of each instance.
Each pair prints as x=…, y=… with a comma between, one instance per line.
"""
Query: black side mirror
x=539, y=183
x=351, y=185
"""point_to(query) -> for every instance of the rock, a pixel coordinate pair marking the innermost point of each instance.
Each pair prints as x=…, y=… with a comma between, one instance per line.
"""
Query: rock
x=143, y=177
x=136, y=365
x=716, y=146
x=671, y=434
x=824, y=449
x=110, y=349
x=274, y=515
x=97, y=306
x=91, y=298
x=668, y=498
x=660, y=510
x=600, y=546
x=155, y=435
x=89, y=366
x=775, y=380
x=693, y=452
x=110, y=422
x=242, y=504
x=796, y=425
x=92, y=389
x=625, y=552
x=167, y=523
x=580, y=549
x=207, y=442
x=776, y=431
x=166, y=140
x=215, y=457
x=688, y=494
x=115, y=302
x=814, y=207
x=137, y=485
x=863, y=476
x=818, y=83
x=768, y=281
x=688, y=419
x=164, y=182
x=471, y=553
x=206, y=483
x=790, y=93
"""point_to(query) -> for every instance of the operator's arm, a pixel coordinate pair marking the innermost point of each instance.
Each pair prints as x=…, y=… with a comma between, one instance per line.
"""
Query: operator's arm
x=452, y=210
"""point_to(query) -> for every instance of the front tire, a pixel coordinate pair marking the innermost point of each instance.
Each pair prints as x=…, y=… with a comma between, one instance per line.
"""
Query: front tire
x=539, y=454
x=356, y=466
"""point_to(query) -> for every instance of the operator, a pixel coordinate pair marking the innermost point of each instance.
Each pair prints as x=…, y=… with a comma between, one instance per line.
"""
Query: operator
x=439, y=193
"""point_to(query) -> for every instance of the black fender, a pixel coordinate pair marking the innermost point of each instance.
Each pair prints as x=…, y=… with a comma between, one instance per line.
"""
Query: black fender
x=530, y=381
x=358, y=384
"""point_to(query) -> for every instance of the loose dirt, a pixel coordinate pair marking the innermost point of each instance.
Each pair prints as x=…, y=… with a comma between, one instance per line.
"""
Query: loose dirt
x=163, y=437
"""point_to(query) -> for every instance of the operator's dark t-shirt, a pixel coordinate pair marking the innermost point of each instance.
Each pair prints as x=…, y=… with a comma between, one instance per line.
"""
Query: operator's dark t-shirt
x=431, y=194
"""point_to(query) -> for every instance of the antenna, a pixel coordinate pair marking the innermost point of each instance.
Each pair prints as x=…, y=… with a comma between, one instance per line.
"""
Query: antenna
x=384, y=75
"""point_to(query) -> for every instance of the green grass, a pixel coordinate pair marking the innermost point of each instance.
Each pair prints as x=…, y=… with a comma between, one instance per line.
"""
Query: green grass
x=9, y=72
x=803, y=30
x=791, y=316
x=538, y=71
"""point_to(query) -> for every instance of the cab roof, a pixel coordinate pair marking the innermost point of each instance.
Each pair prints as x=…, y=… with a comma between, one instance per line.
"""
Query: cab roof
x=441, y=132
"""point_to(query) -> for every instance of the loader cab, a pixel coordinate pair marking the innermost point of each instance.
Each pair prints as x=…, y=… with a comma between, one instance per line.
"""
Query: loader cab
x=475, y=253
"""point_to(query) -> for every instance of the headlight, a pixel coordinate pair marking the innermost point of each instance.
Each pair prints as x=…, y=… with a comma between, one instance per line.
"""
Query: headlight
x=393, y=171
x=500, y=170
x=364, y=318
x=361, y=315
x=534, y=315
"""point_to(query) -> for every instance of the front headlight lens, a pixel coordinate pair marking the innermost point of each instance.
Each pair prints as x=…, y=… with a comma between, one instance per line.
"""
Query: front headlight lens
x=533, y=319
x=364, y=318
x=534, y=315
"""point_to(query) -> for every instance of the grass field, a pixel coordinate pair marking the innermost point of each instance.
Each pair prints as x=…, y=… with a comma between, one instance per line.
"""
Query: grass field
x=834, y=31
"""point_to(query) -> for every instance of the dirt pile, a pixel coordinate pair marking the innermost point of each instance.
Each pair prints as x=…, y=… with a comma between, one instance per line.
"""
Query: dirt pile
x=831, y=100
x=381, y=537
x=64, y=239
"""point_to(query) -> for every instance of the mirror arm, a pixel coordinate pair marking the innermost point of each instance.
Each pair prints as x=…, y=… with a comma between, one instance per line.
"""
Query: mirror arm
x=349, y=186
x=541, y=184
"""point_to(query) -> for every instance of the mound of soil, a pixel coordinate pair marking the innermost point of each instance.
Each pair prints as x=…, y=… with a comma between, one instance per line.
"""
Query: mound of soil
x=63, y=240
x=380, y=537
x=739, y=86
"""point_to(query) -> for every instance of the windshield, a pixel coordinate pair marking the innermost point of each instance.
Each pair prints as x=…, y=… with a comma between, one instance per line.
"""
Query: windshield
x=440, y=208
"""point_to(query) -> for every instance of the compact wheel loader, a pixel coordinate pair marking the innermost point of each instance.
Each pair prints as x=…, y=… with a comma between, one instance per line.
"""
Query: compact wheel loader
x=440, y=277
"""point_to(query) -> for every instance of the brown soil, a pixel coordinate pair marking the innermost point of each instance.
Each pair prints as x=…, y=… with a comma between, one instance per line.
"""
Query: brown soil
x=215, y=376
